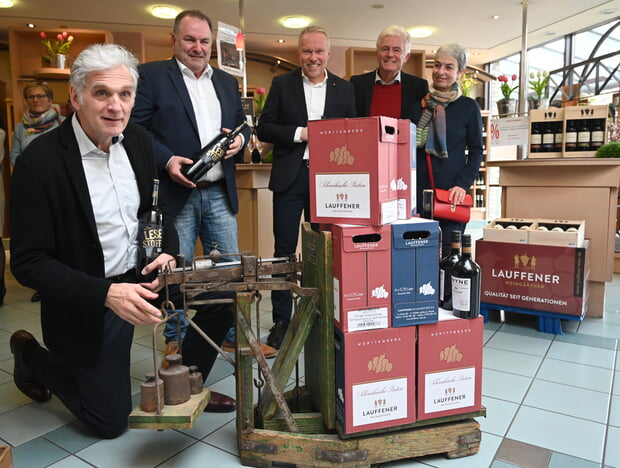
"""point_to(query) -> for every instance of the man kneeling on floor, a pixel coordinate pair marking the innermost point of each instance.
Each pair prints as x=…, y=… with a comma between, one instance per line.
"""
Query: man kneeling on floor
x=77, y=195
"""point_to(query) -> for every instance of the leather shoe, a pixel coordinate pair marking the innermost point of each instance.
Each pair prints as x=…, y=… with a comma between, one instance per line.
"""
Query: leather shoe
x=220, y=404
x=268, y=351
x=24, y=378
x=276, y=334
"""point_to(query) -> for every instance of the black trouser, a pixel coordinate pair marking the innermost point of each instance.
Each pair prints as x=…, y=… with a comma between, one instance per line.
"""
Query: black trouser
x=99, y=396
x=287, y=209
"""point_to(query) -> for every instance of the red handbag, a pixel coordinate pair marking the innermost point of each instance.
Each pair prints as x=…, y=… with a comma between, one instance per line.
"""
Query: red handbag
x=443, y=208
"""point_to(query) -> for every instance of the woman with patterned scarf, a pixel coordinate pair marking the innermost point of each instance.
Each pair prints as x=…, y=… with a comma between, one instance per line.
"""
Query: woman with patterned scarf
x=40, y=117
x=450, y=130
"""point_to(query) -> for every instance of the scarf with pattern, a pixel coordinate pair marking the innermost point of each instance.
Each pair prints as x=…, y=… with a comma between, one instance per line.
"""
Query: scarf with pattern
x=41, y=122
x=431, y=129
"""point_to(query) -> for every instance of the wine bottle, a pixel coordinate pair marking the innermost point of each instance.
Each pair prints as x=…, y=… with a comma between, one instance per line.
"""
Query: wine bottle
x=427, y=203
x=558, y=136
x=547, y=138
x=153, y=232
x=535, y=138
x=445, y=271
x=570, y=142
x=583, y=136
x=211, y=154
x=466, y=283
x=598, y=135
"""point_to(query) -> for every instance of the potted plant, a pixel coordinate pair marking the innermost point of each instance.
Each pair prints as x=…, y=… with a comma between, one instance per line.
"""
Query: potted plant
x=507, y=105
x=609, y=150
x=468, y=81
x=56, y=50
x=538, y=83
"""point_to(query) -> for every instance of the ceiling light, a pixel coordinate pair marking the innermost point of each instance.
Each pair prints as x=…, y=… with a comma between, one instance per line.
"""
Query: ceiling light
x=6, y=3
x=495, y=17
x=550, y=33
x=419, y=32
x=376, y=6
x=164, y=11
x=30, y=25
x=608, y=12
x=281, y=41
x=295, y=22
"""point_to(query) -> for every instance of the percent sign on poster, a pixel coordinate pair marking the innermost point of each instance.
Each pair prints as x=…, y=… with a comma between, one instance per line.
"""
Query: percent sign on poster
x=509, y=131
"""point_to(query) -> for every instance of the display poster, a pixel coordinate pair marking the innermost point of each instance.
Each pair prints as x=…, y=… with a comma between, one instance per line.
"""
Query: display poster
x=228, y=57
x=510, y=131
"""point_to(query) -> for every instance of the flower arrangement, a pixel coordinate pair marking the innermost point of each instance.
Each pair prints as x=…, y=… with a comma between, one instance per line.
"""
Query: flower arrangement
x=505, y=87
x=468, y=80
x=59, y=46
x=259, y=98
x=538, y=82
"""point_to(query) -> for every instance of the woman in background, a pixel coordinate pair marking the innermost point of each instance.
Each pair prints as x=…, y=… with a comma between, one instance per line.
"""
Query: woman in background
x=40, y=116
x=450, y=130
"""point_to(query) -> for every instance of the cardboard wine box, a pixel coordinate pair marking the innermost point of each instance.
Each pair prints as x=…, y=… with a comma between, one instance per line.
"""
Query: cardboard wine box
x=405, y=184
x=375, y=379
x=558, y=232
x=449, y=378
x=354, y=177
x=362, y=286
x=415, y=271
x=538, y=277
x=516, y=230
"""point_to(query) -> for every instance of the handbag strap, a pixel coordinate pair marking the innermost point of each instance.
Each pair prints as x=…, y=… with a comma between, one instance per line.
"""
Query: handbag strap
x=430, y=170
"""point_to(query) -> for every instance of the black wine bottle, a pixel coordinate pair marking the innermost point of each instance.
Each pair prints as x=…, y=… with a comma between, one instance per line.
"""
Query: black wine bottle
x=445, y=271
x=535, y=138
x=558, y=137
x=211, y=154
x=547, y=138
x=583, y=136
x=466, y=283
x=570, y=142
x=153, y=232
x=598, y=135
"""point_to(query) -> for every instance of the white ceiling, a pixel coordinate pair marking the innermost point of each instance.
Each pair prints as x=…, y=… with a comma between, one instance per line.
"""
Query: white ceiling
x=349, y=22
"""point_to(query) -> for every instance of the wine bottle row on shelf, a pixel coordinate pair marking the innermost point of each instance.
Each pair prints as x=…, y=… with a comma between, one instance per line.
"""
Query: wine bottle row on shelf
x=585, y=134
x=479, y=201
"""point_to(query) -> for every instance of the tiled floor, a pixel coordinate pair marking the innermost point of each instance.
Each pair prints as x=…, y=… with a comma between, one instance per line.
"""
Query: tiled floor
x=552, y=402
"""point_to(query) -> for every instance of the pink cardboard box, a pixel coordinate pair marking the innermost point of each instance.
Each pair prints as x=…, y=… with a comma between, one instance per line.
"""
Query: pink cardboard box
x=449, y=379
x=375, y=379
x=354, y=177
x=549, y=278
x=362, y=276
x=405, y=183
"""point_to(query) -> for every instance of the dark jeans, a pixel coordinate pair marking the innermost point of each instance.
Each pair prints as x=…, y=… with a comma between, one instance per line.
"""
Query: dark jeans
x=288, y=207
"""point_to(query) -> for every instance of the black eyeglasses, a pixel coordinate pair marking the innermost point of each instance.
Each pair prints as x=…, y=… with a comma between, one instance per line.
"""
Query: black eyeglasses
x=36, y=96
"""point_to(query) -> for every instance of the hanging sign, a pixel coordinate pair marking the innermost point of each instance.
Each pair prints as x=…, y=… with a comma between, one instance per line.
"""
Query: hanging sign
x=228, y=57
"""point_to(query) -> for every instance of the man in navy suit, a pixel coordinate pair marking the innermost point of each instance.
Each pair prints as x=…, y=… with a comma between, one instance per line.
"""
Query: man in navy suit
x=388, y=90
x=184, y=103
x=310, y=92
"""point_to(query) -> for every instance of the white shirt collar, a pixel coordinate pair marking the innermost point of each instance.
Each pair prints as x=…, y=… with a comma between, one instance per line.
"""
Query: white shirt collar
x=85, y=144
x=186, y=71
x=378, y=79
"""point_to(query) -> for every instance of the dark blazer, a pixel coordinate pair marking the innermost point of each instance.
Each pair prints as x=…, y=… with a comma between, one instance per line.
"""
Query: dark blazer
x=163, y=107
x=285, y=110
x=413, y=90
x=55, y=247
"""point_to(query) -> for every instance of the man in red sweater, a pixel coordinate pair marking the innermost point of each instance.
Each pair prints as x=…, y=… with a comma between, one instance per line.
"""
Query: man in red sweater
x=388, y=90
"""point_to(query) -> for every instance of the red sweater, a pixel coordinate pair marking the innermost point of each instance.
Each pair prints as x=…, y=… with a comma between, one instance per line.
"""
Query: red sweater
x=386, y=100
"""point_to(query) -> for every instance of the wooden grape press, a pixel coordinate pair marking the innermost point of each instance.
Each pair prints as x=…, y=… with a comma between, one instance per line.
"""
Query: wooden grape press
x=298, y=426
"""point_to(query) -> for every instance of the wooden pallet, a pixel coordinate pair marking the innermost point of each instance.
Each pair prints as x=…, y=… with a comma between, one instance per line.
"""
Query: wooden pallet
x=305, y=433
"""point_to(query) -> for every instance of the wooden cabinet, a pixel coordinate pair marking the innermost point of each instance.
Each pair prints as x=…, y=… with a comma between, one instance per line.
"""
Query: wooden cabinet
x=363, y=59
x=480, y=189
x=25, y=49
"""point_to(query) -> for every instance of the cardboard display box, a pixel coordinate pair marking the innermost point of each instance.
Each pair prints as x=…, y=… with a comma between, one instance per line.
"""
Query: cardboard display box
x=558, y=232
x=375, y=379
x=354, y=175
x=415, y=271
x=362, y=286
x=449, y=378
x=503, y=230
x=539, y=277
x=406, y=169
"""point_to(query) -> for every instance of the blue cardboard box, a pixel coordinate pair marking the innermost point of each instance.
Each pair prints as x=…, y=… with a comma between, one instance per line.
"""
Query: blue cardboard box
x=415, y=271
